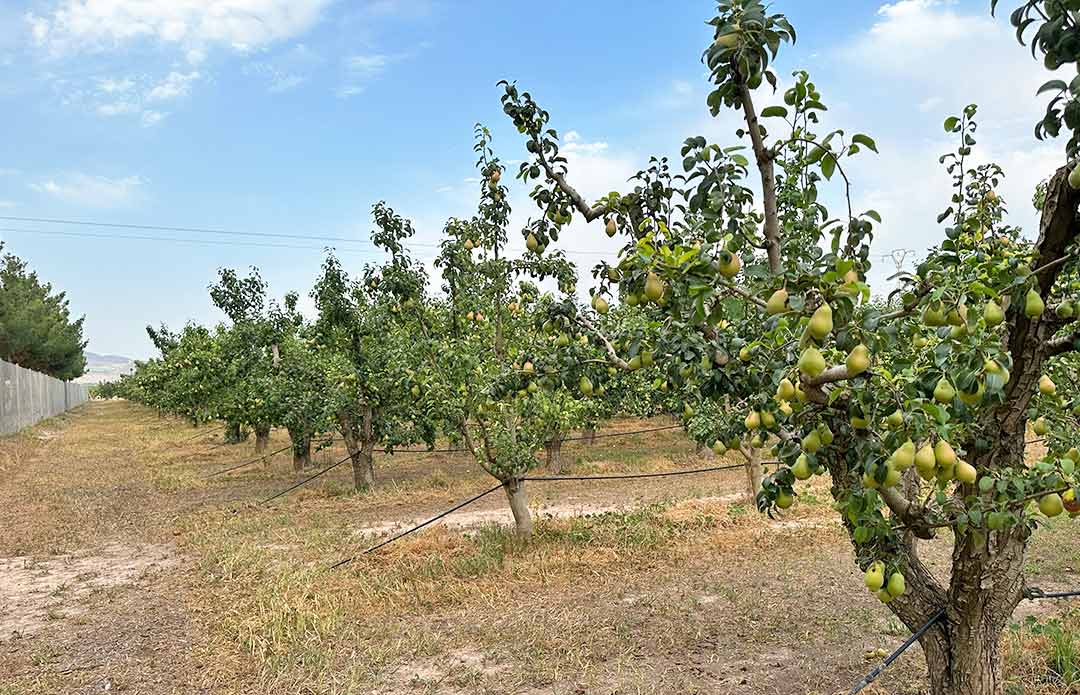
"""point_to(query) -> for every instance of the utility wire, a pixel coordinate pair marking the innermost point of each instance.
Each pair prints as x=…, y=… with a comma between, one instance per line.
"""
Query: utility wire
x=629, y=476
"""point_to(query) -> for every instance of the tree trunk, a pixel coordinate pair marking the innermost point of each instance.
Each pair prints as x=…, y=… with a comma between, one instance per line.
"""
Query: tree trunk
x=301, y=457
x=588, y=435
x=262, y=438
x=235, y=433
x=360, y=443
x=554, y=455
x=519, y=505
x=753, y=473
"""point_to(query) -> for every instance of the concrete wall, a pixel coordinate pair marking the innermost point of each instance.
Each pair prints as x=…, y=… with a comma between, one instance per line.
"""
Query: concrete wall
x=27, y=397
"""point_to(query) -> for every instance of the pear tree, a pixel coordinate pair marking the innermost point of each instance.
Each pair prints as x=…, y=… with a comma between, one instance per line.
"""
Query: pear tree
x=915, y=408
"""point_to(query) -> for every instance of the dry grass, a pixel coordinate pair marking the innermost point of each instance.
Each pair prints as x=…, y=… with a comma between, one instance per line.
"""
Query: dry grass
x=676, y=587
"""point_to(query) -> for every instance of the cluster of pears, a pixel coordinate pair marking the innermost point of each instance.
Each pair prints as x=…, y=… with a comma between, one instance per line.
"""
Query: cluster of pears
x=533, y=244
x=932, y=462
x=475, y=316
x=875, y=582
x=759, y=421
x=599, y=304
x=653, y=292
x=812, y=363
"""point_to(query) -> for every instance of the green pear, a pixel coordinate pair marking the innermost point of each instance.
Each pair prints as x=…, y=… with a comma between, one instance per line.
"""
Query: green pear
x=944, y=391
x=654, y=288
x=934, y=317
x=1074, y=178
x=1065, y=310
x=992, y=313
x=531, y=242
x=599, y=304
x=719, y=448
x=812, y=442
x=924, y=458
x=897, y=586
x=904, y=456
x=585, y=385
x=858, y=360
x=777, y=302
x=729, y=265
x=786, y=390
x=1033, y=304
x=784, y=500
x=811, y=362
x=753, y=420
x=875, y=576
x=821, y=323
x=801, y=469
x=1040, y=426
x=1047, y=386
x=892, y=475
x=1051, y=505
x=895, y=419
x=944, y=455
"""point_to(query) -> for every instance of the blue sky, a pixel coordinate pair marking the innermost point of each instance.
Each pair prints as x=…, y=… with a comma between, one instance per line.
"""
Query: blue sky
x=295, y=116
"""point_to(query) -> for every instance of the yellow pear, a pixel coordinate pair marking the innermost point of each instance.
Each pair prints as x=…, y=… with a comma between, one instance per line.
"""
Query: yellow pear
x=821, y=323
x=924, y=459
x=745, y=353
x=719, y=448
x=768, y=420
x=609, y=227
x=858, y=360
x=972, y=399
x=944, y=454
x=753, y=420
x=600, y=304
x=875, y=576
x=531, y=242
x=785, y=408
x=654, y=288
x=859, y=423
x=892, y=475
x=1047, y=386
x=811, y=362
x=777, y=302
x=965, y=473
x=730, y=268
x=895, y=419
x=1033, y=304
x=992, y=313
x=812, y=442
x=786, y=390
x=904, y=456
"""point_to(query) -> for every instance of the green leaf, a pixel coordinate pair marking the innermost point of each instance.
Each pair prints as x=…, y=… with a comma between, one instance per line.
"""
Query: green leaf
x=828, y=166
x=951, y=123
x=774, y=111
x=865, y=140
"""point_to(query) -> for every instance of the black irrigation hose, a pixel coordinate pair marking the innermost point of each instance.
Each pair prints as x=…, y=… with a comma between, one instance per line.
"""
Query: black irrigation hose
x=1032, y=594
x=432, y=520
x=469, y=501
x=622, y=434
x=306, y=480
x=870, y=677
x=202, y=432
x=248, y=463
x=628, y=476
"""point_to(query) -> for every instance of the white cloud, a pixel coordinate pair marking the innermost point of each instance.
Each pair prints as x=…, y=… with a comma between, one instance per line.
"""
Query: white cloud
x=287, y=70
x=929, y=47
x=109, y=85
x=91, y=191
x=572, y=144
x=90, y=25
x=175, y=85
x=151, y=118
x=116, y=108
x=366, y=66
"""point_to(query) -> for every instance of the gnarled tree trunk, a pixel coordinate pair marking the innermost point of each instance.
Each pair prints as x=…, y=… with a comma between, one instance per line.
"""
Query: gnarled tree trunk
x=519, y=505
x=753, y=472
x=360, y=443
x=588, y=435
x=301, y=448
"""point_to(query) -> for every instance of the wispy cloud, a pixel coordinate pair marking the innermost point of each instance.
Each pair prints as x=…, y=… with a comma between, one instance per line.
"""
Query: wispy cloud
x=288, y=70
x=71, y=26
x=175, y=85
x=91, y=191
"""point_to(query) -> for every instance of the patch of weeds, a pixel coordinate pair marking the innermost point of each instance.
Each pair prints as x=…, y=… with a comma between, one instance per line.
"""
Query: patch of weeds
x=438, y=480
x=337, y=488
x=490, y=546
x=737, y=509
x=1044, y=652
x=895, y=628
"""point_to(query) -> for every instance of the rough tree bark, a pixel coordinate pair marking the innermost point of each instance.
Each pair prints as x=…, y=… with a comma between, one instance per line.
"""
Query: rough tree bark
x=553, y=448
x=360, y=443
x=588, y=435
x=753, y=473
x=301, y=448
x=519, y=505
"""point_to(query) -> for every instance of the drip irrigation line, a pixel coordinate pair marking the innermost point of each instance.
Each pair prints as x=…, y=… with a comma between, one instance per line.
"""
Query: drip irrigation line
x=872, y=676
x=432, y=520
x=623, y=434
x=247, y=463
x=203, y=432
x=307, y=480
x=1033, y=593
x=628, y=476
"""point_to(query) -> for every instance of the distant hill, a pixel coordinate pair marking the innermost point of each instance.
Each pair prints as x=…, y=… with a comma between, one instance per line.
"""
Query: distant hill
x=101, y=368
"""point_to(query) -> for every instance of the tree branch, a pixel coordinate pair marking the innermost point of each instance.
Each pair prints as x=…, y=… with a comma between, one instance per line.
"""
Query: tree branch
x=590, y=213
x=613, y=356
x=768, y=178
x=913, y=517
x=835, y=373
